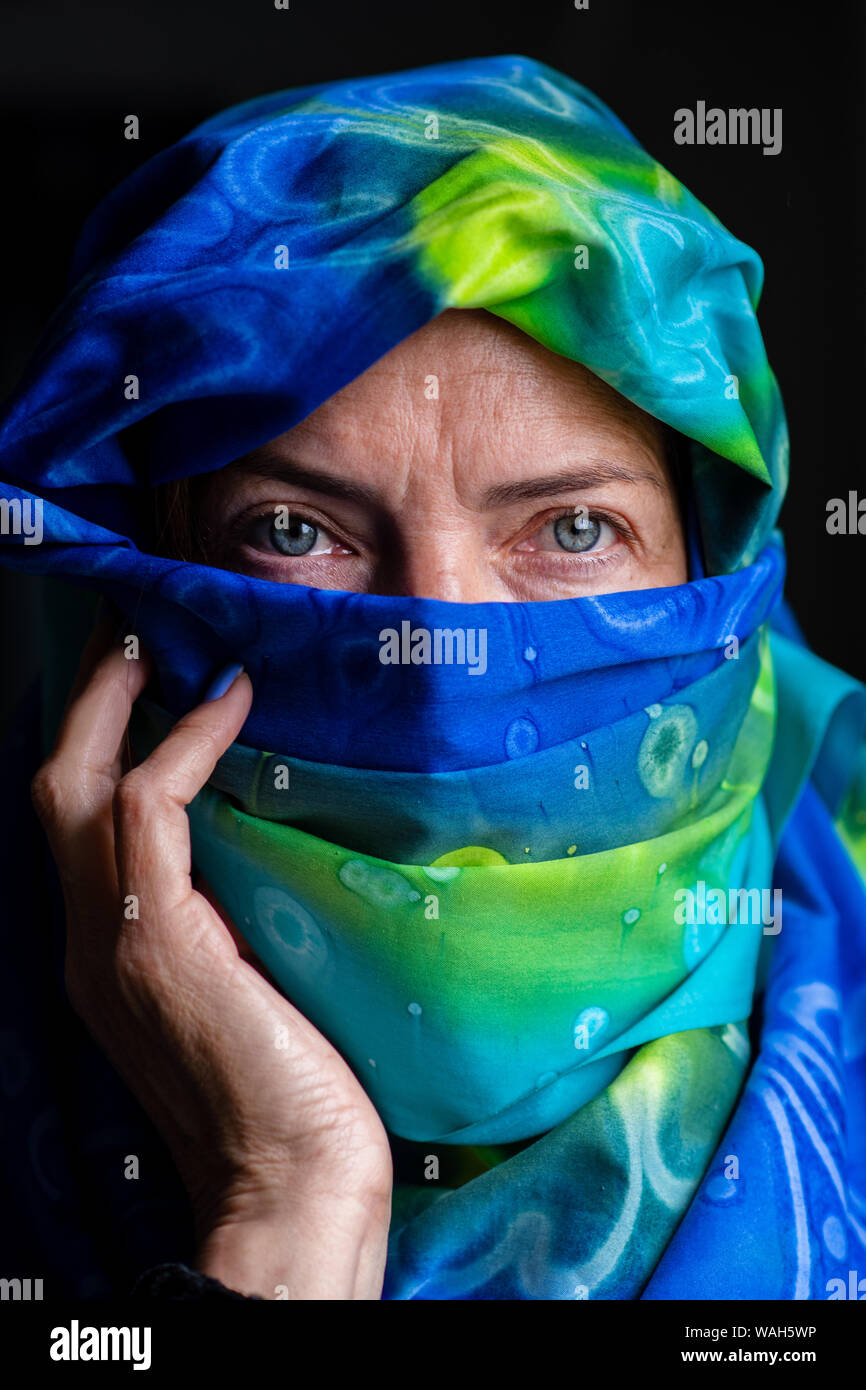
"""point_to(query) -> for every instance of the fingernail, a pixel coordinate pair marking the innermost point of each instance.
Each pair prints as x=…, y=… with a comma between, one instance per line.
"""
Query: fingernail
x=222, y=682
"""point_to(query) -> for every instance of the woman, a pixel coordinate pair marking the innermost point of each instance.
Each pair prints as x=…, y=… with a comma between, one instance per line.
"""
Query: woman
x=434, y=941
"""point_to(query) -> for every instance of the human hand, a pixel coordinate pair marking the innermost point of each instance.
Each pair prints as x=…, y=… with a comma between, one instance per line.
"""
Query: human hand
x=284, y=1157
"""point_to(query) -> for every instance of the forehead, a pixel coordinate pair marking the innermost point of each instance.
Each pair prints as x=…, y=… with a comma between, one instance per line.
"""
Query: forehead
x=468, y=374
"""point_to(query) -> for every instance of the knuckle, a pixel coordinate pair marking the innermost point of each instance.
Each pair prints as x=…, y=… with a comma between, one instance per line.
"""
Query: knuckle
x=99, y=982
x=132, y=795
x=48, y=793
x=133, y=972
x=127, y=966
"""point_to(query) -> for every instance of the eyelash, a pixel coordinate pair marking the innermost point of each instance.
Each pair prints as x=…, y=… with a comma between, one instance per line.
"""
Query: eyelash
x=620, y=528
x=243, y=525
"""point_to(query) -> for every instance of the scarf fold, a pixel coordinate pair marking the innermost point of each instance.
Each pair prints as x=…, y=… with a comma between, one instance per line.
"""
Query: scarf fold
x=561, y=954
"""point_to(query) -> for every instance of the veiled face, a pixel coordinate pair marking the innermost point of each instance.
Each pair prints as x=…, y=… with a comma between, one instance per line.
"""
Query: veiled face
x=469, y=464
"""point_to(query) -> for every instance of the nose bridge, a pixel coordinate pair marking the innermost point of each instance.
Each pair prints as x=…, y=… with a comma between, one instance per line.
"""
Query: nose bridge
x=451, y=576
x=442, y=584
x=450, y=564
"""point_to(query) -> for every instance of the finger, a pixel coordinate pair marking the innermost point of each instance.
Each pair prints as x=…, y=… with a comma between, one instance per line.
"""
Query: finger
x=96, y=718
x=102, y=636
x=72, y=791
x=109, y=629
x=152, y=841
x=181, y=764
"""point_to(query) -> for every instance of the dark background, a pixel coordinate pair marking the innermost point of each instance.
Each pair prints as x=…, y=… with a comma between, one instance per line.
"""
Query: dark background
x=70, y=72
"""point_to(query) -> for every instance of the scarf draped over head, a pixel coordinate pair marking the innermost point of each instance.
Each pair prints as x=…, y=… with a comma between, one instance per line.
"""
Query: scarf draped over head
x=532, y=909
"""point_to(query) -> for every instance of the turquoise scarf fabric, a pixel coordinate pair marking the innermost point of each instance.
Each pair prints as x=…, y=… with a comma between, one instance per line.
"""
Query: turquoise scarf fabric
x=532, y=908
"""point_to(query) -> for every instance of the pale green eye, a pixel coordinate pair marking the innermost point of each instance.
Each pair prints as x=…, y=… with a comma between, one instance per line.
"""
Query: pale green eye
x=577, y=533
x=296, y=537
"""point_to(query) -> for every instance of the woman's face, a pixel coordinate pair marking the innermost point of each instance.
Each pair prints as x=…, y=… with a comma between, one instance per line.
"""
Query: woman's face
x=469, y=464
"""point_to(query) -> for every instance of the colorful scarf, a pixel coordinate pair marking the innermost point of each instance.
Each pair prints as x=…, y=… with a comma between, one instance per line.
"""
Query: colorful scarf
x=531, y=908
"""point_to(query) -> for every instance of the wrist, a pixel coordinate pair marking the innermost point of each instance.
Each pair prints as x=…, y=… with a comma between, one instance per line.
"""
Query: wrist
x=301, y=1245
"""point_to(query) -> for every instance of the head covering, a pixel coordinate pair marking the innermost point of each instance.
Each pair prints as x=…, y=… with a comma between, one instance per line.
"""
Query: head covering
x=531, y=906
x=265, y=260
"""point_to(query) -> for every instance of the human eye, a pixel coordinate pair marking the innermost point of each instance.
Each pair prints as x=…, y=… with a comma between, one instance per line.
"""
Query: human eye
x=577, y=531
x=284, y=532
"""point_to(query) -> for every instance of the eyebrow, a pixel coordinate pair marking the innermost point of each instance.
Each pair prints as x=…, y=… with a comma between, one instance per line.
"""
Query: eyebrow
x=569, y=480
x=264, y=465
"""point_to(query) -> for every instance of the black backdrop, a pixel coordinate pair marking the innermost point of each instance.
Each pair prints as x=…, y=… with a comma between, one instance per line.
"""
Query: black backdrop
x=70, y=70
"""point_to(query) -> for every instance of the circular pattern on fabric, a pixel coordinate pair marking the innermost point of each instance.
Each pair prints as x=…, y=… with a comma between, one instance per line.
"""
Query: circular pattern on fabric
x=381, y=887
x=521, y=738
x=835, y=1238
x=288, y=925
x=470, y=857
x=721, y=1190
x=441, y=873
x=546, y=1078
x=664, y=749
